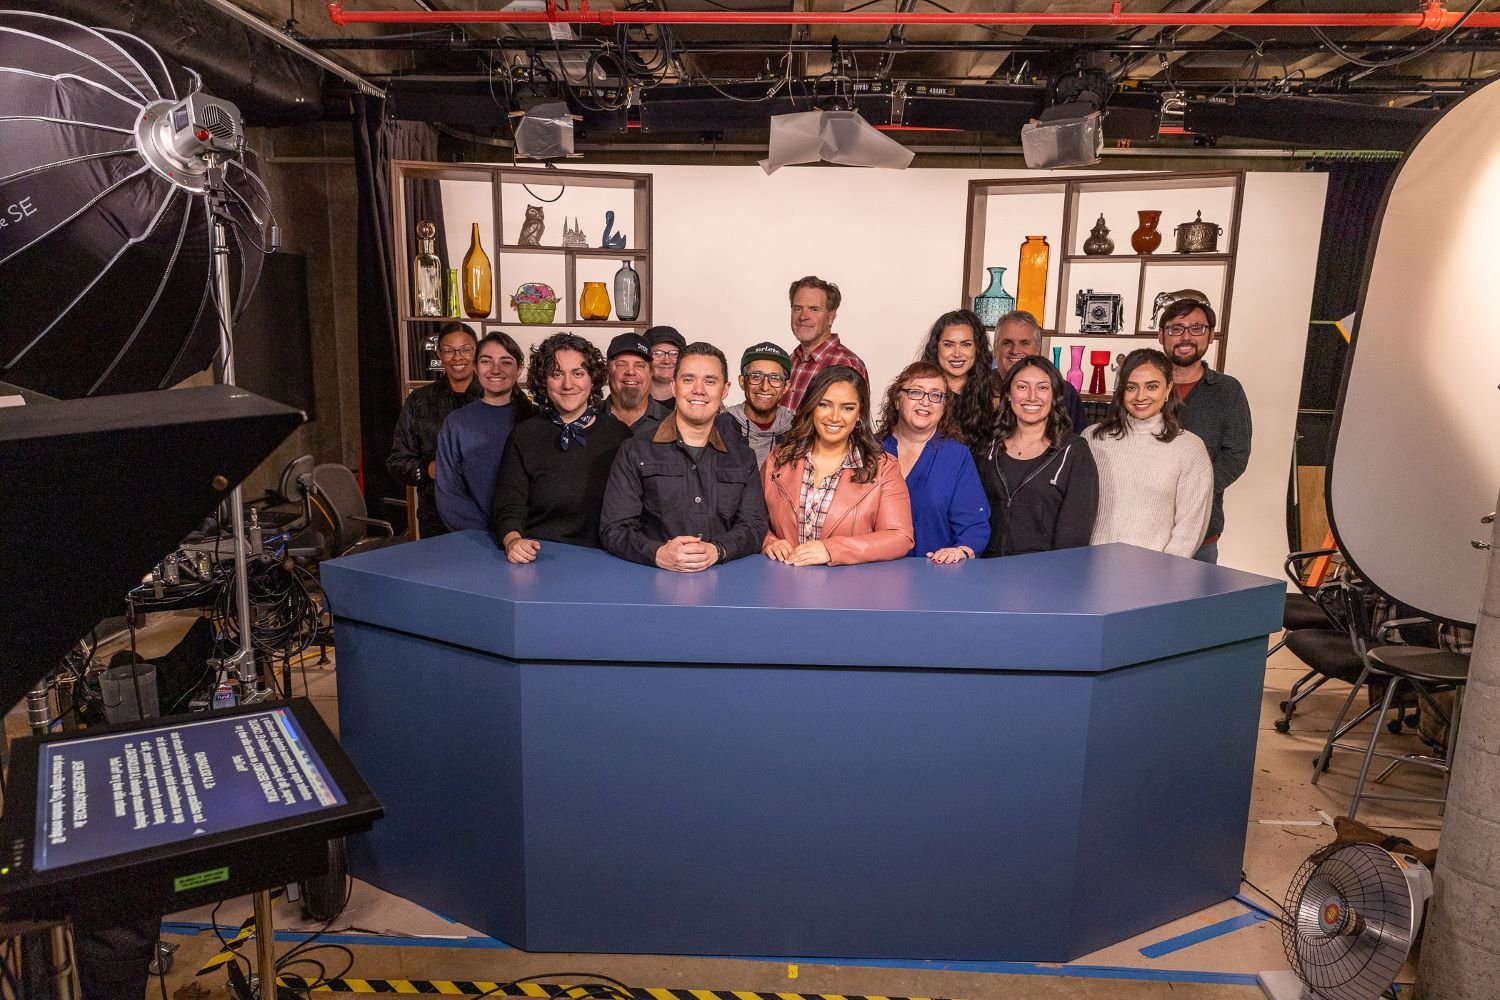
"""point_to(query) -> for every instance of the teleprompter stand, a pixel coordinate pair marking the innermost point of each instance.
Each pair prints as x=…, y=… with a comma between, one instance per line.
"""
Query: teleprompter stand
x=146, y=817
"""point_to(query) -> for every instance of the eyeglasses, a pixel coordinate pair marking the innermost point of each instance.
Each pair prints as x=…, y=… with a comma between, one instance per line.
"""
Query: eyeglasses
x=456, y=352
x=663, y=352
x=756, y=378
x=1178, y=329
x=917, y=395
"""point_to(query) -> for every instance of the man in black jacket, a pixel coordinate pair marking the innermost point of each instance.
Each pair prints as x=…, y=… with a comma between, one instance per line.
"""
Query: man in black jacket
x=413, y=459
x=682, y=498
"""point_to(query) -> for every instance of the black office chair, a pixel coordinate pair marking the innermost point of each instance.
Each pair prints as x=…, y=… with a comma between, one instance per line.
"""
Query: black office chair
x=336, y=495
x=1391, y=660
x=1316, y=620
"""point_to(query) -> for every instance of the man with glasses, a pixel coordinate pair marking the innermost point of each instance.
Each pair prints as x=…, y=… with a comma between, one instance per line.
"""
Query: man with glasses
x=630, y=402
x=1214, y=404
x=765, y=371
x=666, y=344
x=413, y=459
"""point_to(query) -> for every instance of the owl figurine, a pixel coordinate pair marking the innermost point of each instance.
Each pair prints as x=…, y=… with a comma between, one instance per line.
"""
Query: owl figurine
x=531, y=229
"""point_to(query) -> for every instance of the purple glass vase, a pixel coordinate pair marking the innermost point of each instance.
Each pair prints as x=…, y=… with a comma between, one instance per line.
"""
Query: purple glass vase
x=1075, y=373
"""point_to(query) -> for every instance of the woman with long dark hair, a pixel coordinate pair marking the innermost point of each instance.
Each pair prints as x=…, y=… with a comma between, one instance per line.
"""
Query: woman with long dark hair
x=949, y=512
x=1039, y=475
x=555, y=466
x=832, y=494
x=1156, y=482
x=957, y=345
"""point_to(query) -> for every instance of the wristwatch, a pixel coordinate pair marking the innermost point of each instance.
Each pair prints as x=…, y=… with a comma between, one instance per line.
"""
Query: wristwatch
x=723, y=555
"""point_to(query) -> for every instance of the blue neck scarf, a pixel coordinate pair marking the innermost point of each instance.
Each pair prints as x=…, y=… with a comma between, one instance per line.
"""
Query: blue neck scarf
x=573, y=430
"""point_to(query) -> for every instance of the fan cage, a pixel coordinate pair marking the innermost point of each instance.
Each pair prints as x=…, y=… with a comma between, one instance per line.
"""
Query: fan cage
x=1369, y=884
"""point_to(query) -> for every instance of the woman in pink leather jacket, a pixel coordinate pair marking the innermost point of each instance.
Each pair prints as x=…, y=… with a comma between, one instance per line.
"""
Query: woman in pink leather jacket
x=833, y=494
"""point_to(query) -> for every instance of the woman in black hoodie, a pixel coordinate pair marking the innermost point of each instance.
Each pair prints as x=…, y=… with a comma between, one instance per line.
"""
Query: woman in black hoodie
x=1039, y=476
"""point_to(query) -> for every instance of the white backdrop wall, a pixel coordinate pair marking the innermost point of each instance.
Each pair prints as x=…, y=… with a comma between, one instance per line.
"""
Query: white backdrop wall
x=729, y=241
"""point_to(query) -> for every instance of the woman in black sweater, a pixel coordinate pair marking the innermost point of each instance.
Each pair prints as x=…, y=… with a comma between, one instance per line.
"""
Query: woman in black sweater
x=1039, y=476
x=551, y=481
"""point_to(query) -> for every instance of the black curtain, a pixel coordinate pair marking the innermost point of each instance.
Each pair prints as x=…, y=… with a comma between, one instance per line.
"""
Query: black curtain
x=1355, y=190
x=378, y=142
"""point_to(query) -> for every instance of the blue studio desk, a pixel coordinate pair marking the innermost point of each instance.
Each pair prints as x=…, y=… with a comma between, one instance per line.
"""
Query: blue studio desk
x=1017, y=759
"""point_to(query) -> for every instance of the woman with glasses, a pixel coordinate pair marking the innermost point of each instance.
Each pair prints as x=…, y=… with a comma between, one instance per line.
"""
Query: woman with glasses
x=1156, y=483
x=413, y=458
x=833, y=496
x=957, y=345
x=949, y=513
x=556, y=464
x=1039, y=476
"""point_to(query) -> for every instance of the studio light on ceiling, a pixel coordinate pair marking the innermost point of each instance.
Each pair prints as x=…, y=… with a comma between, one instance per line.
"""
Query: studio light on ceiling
x=841, y=137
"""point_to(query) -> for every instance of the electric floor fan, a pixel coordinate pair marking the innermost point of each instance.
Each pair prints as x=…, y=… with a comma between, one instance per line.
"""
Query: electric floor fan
x=1352, y=915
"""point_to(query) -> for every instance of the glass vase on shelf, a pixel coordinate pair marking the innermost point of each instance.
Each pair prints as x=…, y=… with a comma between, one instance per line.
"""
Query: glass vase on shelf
x=627, y=293
x=478, y=280
x=1057, y=358
x=1075, y=373
x=994, y=301
x=1031, y=284
x=427, y=273
x=1100, y=360
x=593, y=304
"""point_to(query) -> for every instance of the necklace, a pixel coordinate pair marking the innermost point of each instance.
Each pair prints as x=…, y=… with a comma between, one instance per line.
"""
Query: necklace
x=1018, y=449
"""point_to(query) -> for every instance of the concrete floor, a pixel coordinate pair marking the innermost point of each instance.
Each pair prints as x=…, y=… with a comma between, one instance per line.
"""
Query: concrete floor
x=1211, y=954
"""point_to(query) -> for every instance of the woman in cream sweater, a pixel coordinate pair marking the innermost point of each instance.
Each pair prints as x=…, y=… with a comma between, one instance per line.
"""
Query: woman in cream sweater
x=1156, y=483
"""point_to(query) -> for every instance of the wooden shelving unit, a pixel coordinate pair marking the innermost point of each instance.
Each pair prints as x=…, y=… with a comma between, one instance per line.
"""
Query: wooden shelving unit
x=513, y=264
x=1001, y=213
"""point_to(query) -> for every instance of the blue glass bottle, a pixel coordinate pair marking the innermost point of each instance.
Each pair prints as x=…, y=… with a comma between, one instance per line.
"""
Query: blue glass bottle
x=994, y=301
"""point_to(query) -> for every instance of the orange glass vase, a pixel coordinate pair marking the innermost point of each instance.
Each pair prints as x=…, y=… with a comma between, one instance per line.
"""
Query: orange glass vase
x=477, y=280
x=1031, y=281
x=594, y=302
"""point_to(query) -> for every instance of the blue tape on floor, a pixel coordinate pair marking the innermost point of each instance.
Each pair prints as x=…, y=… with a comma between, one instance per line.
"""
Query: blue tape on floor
x=1202, y=934
x=996, y=968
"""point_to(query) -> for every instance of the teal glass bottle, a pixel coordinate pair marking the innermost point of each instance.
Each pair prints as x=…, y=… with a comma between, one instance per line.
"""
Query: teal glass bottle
x=994, y=301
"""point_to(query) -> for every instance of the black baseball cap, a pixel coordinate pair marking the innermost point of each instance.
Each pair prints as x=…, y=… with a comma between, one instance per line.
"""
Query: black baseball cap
x=665, y=335
x=628, y=343
x=766, y=351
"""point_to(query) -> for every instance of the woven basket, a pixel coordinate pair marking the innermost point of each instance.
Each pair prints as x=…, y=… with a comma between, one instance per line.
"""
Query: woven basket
x=536, y=312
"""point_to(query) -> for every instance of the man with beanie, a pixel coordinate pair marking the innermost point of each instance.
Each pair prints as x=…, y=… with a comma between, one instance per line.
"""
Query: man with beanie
x=765, y=371
x=629, y=370
x=666, y=343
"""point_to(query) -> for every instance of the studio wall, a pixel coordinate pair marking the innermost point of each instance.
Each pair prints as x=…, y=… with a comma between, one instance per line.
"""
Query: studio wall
x=729, y=240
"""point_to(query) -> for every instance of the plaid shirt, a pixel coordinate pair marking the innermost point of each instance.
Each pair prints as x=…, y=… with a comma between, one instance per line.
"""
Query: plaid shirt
x=806, y=364
x=816, y=498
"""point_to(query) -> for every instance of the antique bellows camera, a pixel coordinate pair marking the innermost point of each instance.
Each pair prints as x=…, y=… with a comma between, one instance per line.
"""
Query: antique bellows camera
x=1101, y=312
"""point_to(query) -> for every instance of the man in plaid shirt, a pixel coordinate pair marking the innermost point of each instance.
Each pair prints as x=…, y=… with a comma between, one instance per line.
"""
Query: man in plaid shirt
x=815, y=303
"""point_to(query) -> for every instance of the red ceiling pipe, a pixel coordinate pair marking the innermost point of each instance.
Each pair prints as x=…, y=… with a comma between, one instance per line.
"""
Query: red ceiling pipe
x=1433, y=15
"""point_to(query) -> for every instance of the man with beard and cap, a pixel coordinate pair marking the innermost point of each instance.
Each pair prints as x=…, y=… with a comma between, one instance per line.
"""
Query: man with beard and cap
x=630, y=375
x=666, y=343
x=1214, y=404
x=413, y=458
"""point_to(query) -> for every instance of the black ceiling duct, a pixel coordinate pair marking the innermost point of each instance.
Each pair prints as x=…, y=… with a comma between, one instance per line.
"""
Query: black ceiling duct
x=693, y=109
x=476, y=104
x=971, y=108
x=269, y=84
x=1310, y=121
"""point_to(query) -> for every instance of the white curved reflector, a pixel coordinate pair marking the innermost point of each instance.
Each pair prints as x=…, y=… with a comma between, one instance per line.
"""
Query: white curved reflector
x=1416, y=447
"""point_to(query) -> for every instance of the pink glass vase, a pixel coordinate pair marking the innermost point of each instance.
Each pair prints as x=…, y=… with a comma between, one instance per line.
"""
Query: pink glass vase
x=1075, y=373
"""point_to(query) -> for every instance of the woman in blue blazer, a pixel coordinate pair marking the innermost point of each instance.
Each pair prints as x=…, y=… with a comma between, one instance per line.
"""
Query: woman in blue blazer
x=949, y=511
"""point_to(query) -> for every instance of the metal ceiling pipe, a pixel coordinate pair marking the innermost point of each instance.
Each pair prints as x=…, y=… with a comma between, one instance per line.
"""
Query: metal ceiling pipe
x=1433, y=16
x=281, y=38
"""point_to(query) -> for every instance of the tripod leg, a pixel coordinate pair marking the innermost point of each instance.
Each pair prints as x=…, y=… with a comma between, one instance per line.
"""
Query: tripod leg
x=265, y=946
